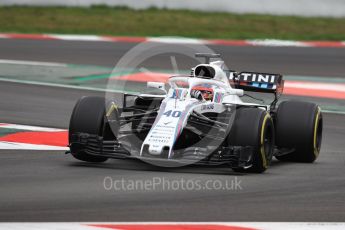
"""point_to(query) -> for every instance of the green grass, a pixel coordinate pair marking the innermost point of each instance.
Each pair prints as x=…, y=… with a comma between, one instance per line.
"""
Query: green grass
x=152, y=22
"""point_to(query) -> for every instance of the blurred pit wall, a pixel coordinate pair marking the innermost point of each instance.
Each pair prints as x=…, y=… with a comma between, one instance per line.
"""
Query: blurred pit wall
x=307, y=8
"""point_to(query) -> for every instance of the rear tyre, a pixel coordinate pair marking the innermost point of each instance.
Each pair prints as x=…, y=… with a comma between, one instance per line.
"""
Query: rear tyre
x=254, y=127
x=299, y=128
x=87, y=117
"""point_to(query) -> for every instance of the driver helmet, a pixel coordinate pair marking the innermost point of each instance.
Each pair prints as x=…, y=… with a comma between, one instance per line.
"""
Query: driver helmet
x=206, y=92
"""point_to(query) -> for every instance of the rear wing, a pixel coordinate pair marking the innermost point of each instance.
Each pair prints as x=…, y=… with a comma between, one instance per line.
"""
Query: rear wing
x=257, y=82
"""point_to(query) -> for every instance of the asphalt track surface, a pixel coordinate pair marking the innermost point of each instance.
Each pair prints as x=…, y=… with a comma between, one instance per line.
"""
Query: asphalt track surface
x=284, y=60
x=52, y=186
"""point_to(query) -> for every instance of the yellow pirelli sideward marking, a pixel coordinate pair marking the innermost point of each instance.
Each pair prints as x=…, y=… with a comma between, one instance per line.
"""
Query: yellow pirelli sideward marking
x=262, y=149
x=111, y=109
x=316, y=126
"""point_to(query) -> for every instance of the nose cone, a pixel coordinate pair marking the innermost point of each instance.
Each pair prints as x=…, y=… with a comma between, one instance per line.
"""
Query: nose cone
x=155, y=149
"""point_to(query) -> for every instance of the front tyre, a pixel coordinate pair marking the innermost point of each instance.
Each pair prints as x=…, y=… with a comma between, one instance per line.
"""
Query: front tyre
x=254, y=127
x=87, y=117
x=299, y=128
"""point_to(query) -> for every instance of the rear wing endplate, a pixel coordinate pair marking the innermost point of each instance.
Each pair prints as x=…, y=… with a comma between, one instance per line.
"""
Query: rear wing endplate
x=256, y=82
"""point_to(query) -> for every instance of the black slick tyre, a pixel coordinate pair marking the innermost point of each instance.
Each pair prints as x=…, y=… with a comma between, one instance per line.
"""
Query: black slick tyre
x=254, y=127
x=299, y=128
x=87, y=117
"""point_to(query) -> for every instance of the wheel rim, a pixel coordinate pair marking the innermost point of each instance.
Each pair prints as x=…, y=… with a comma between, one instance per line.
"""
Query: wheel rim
x=318, y=134
x=268, y=139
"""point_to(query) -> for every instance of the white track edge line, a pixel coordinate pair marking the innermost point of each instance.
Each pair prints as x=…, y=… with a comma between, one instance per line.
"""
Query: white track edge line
x=255, y=225
x=10, y=145
x=33, y=63
x=30, y=127
x=59, y=85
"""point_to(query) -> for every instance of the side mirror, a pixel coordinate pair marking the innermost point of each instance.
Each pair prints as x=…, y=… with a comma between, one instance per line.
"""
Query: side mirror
x=238, y=92
x=156, y=85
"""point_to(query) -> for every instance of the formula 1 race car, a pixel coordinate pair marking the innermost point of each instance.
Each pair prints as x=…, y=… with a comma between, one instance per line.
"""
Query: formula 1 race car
x=199, y=119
